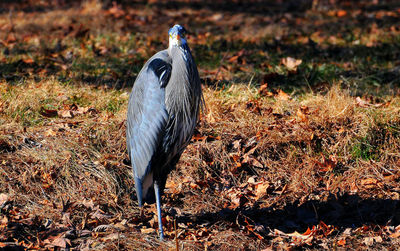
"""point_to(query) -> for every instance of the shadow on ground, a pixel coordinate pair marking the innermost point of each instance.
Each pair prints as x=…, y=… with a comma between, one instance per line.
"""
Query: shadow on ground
x=347, y=211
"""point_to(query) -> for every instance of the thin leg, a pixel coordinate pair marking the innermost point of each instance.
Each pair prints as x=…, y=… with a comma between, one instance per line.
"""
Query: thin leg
x=139, y=193
x=158, y=202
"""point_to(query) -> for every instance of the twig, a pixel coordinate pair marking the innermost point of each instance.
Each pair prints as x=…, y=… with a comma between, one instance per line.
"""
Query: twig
x=176, y=236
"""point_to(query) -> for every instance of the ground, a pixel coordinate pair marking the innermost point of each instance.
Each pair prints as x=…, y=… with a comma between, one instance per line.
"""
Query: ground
x=297, y=147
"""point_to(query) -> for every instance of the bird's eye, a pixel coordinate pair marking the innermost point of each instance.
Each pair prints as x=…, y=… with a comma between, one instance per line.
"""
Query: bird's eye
x=182, y=32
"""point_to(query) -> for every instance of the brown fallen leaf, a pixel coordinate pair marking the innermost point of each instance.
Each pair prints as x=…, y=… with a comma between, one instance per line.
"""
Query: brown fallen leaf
x=261, y=189
x=202, y=232
x=10, y=38
x=3, y=222
x=236, y=144
x=327, y=165
x=212, y=138
x=395, y=235
x=252, y=161
x=147, y=230
x=361, y=103
x=174, y=187
x=369, y=182
x=58, y=241
x=341, y=242
x=364, y=104
x=198, y=137
x=113, y=236
x=341, y=13
x=28, y=61
x=254, y=106
x=88, y=203
x=302, y=116
x=347, y=232
x=305, y=109
x=83, y=110
x=61, y=242
x=233, y=59
x=263, y=89
x=369, y=241
x=3, y=199
x=282, y=95
x=237, y=197
x=306, y=237
x=116, y=11
x=65, y=114
x=291, y=63
x=252, y=180
x=235, y=157
x=50, y=133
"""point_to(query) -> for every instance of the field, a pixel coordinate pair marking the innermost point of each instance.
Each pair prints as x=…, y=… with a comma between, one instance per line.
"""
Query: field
x=298, y=147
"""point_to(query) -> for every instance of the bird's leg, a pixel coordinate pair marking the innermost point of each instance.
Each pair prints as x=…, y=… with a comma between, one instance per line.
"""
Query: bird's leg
x=138, y=186
x=158, y=203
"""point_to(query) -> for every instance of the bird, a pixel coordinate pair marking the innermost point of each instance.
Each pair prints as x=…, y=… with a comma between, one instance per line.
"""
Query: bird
x=163, y=111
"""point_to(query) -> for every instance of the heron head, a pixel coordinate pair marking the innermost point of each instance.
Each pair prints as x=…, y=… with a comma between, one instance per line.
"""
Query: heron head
x=177, y=35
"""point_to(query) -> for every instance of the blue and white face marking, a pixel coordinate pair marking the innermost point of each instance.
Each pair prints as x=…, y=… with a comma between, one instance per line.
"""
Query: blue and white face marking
x=177, y=35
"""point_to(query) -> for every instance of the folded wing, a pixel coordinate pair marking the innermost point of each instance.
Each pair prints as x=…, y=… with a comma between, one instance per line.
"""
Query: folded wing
x=147, y=117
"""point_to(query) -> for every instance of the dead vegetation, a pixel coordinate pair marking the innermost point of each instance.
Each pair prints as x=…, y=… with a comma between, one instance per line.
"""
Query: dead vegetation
x=246, y=162
x=290, y=153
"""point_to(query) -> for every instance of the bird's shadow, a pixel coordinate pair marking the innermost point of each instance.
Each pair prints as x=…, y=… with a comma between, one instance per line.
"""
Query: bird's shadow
x=345, y=211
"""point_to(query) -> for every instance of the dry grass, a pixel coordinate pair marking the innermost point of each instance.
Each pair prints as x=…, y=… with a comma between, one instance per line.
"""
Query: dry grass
x=51, y=166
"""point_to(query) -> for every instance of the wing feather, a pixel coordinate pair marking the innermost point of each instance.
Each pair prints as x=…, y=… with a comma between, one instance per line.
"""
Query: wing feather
x=147, y=114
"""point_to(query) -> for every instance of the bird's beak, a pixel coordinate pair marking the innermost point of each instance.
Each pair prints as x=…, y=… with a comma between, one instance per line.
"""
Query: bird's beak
x=178, y=37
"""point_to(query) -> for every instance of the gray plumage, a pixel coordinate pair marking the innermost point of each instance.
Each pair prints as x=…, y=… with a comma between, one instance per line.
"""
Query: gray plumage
x=163, y=111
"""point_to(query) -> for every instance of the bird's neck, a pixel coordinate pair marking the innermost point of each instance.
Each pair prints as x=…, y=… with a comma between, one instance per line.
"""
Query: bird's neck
x=181, y=85
x=182, y=46
x=177, y=42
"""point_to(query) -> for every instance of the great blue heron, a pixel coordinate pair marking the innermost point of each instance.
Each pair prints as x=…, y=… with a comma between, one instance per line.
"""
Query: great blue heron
x=163, y=111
